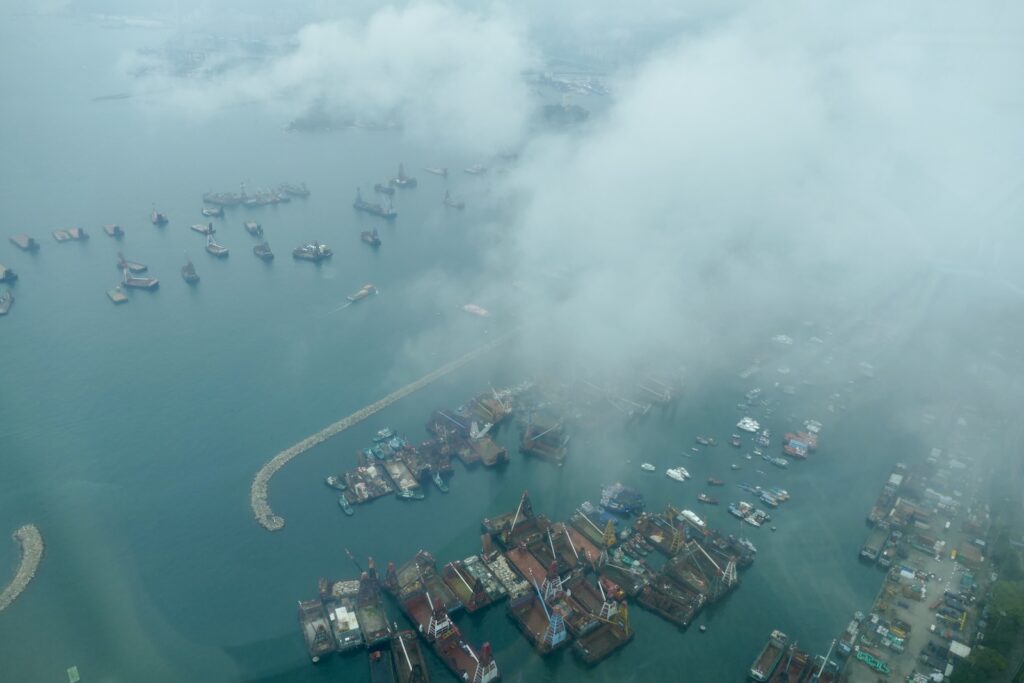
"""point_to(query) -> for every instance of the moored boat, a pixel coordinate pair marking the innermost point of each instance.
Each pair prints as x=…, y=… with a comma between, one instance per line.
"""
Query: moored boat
x=262, y=251
x=215, y=248
x=370, y=237
x=158, y=219
x=113, y=230
x=770, y=655
x=705, y=498
x=254, y=228
x=188, y=272
x=345, y=506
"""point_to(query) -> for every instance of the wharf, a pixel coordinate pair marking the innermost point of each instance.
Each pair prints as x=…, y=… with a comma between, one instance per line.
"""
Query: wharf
x=261, y=509
x=31, y=542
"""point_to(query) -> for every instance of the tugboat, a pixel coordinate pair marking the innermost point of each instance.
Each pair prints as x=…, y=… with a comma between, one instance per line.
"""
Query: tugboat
x=402, y=180
x=6, y=299
x=157, y=218
x=336, y=482
x=345, y=506
x=188, y=271
x=218, y=250
x=448, y=201
x=262, y=251
x=370, y=237
x=314, y=252
x=440, y=483
x=215, y=212
x=366, y=291
x=254, y=228
x=381, y=188
x=361, y=204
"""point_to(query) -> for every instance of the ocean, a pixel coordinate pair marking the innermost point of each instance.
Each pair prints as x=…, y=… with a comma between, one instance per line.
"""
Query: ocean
x=129, y=434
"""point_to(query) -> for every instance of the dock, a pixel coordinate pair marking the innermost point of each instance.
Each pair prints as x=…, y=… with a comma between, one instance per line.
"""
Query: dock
x=261, y=509
x=31, y=542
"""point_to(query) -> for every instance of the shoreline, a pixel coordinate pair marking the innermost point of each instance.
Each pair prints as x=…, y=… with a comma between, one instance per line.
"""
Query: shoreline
x=261, y=509
x=31, y=542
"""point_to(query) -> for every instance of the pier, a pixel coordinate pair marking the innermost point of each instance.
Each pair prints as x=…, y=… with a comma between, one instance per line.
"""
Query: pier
x=258, y=494
x=31, y=542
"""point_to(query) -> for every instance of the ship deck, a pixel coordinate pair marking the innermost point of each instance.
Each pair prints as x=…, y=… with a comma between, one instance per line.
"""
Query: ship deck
x=588, y=551
x=458, y=579
x=601, y=642
x=408, y=657
x=481, y=572
x=400, y=474
x=529, y=616
x=526, y=564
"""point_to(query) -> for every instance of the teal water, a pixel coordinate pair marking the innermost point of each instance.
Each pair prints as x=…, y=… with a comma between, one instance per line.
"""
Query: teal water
x=129, y=435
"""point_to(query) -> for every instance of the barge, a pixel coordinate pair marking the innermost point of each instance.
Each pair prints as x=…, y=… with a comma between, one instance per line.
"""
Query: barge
x=361, y=204
x=340, y=599
x=314, y=252
x=770, y=656
x=410, y=666
x=24, y=242
x=263, y=252
x=113, y=230
x=370, y=610
x=437, y=628
x=315, y=629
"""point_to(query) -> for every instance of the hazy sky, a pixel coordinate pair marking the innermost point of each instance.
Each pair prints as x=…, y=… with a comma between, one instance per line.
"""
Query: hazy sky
x=755, y=159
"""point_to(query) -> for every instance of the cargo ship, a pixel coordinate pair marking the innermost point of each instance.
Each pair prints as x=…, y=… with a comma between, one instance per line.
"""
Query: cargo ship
x=215, y=212
x=254, y=228
x=223, y=198
x=769, y=658
x=113, y=230
x=793, y=666
x=131, y=266
x=24, y=242
x=402, y=180
x=410, y=666
x=158, y=219
x=478, y=570
x=370, y=610
x=361, y=204
x=263, y=252
x=451, y=203
x=370, y=237
x=382, y=668
x=792, y=445
x=437, y=628
x=315, y=629
x=6, y=299
x=299, y=190
x=188, y=272
x=314, y=252
x=437, y=170
x=215, y=248
x=135, y=282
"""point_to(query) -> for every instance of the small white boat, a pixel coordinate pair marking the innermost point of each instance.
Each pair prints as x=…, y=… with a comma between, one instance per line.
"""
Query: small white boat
x=677, y=473
x=647, y=467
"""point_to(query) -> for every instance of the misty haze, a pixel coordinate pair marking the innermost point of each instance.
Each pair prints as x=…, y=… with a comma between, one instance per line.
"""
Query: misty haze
x=441, y=341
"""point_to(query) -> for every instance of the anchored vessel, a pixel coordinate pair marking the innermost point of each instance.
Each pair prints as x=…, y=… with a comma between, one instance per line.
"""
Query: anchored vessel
x=299, y=190
x=215, y=212
x=361, y=204
x=158, y=219
x=254, y=228
x=370, y=237
x=188, y=271
x=315, y=629
x=769, y=658
x=131, y=266
x=402, y=180
x=6, y=299
x=382, y=188
x=6, y=274
x=135, y=282
x=70, y=234
x=262, y=251
x=203, y=228
x=409, y=663
x=213, y=247
x=314, y=252
x=113, y=230
x=24, y=242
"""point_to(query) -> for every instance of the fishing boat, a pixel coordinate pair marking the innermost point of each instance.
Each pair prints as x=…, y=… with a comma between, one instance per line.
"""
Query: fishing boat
x=366, y=291
x=345, y=506
x=370, y=237
x=449, y=202
x=188, y=272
